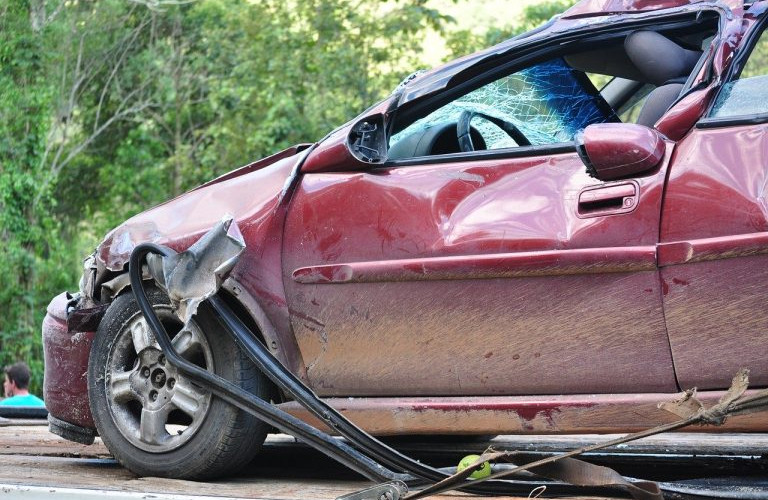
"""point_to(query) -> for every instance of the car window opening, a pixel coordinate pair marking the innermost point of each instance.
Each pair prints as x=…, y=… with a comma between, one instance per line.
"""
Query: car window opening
x=743, y=96
x=551, y=101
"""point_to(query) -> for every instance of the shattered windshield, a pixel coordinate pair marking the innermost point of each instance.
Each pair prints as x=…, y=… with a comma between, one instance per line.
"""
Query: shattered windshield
x=547, y=103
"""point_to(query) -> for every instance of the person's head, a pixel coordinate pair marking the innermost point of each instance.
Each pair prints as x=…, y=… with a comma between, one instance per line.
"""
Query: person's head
x=16, y=379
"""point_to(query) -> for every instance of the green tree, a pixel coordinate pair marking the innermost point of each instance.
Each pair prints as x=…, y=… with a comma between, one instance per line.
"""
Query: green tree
x=27, y=231
x=309, y=67
x=463, y=42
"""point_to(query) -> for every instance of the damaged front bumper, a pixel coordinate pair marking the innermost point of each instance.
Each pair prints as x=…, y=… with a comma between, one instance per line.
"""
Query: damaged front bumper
x=68, y=330
x=65, y=388
x=71, y=321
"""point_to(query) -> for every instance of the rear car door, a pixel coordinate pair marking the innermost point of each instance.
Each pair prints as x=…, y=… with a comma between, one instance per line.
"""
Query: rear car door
x=714, y=233
x=501, y=270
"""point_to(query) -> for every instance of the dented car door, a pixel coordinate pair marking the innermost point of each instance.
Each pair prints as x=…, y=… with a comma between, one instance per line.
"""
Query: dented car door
x=714, y=231
x=501, y=270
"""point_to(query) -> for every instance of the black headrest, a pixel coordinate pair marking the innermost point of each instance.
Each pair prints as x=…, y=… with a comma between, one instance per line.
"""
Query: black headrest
x=658, y=58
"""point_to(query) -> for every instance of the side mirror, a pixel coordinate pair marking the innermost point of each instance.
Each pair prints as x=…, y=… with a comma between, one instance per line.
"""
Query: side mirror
x=350, y=148
x=618, y=150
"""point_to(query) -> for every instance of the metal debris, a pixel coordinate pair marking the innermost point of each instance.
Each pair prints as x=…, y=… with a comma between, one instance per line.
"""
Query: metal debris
x=192, y=276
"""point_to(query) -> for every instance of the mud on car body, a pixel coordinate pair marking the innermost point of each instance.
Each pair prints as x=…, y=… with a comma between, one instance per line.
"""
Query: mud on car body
x=546, y=236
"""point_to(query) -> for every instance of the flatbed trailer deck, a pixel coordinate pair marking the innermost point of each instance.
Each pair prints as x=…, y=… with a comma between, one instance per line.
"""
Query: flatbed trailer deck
x=37, y=464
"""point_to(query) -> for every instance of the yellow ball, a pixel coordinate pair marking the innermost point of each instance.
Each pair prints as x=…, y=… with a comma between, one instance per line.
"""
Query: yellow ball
x=483, y=471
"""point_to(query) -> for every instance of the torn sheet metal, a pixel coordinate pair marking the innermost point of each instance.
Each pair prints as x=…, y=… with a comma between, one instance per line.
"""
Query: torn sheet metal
x=86, y=319
x=192, y=276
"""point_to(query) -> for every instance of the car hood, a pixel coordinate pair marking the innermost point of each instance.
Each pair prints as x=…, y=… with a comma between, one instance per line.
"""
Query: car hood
x=249, y=194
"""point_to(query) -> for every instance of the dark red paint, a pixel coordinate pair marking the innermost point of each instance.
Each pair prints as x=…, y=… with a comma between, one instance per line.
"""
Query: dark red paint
x=528, y=410
x=601, y=7
x=65, y=388
x=619, y=150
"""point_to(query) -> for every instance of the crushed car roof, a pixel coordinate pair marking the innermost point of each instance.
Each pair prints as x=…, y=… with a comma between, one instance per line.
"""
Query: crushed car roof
x=603, y=7
x=441, y=77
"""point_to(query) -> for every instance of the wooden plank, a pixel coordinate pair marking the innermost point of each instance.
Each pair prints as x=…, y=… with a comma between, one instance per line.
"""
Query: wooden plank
x=32, y=456
x=106, y=474
x=35, y=440
x=289, y=470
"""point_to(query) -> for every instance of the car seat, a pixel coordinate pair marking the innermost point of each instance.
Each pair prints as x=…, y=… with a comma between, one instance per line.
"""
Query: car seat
x=663, y=63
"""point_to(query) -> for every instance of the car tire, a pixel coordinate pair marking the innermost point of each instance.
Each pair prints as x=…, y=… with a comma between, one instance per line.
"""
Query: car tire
x=155, y=421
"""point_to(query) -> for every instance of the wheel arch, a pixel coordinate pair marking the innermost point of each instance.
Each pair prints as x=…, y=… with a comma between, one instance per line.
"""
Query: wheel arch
x=244, y=305
x=251, y=312
x=220, y=438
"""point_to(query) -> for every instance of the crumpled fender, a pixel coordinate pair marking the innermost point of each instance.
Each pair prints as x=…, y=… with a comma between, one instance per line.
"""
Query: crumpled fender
x=253, y=195
x=256, y=197
x=250, y=194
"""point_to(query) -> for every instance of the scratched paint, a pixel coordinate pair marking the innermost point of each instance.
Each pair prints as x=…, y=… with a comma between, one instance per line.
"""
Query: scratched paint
x=607, y=413
x=533, y=415
x=715, y=223
x=446, y=262
x=65, y=385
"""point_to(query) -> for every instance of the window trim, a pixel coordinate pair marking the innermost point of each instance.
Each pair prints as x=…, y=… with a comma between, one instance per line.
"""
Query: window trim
x=586, y=89
x=530, y=53
x=486, y=154
x=732, y=74
x=728, y=121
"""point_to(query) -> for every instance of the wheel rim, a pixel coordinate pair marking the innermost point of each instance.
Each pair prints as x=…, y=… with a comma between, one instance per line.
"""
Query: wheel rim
x=154, y=406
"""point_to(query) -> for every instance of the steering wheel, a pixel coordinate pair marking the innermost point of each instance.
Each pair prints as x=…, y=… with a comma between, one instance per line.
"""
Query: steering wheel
x=463, y=129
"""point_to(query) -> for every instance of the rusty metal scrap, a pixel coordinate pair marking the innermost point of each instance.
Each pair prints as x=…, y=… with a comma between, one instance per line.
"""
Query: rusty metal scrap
x=86, y=320
x=733, y=402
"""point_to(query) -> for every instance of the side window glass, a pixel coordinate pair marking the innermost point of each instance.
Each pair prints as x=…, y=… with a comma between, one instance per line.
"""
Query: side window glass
x=747, y=94
x=543, y=104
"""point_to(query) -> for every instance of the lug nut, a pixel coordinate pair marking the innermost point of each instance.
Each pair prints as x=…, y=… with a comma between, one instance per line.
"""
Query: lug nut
x=153, y=396
x=158, y=378
x=145, y=372
x=161, y=359
x=171, y=383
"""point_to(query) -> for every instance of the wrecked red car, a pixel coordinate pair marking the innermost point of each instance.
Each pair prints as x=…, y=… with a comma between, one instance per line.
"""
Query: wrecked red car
x=548, y=236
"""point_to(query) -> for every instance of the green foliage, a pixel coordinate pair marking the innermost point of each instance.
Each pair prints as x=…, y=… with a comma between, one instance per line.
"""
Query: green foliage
x=27, y=275
x=464, y=41
x=308, y=67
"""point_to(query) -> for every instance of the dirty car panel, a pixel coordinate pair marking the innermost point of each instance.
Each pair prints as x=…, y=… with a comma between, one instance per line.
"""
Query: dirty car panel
x=420, y=287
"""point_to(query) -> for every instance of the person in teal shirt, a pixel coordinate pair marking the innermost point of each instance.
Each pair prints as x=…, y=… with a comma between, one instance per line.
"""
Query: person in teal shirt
x=15, y=387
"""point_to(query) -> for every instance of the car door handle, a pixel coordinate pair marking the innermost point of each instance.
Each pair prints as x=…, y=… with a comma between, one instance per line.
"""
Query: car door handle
x=596, y=201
